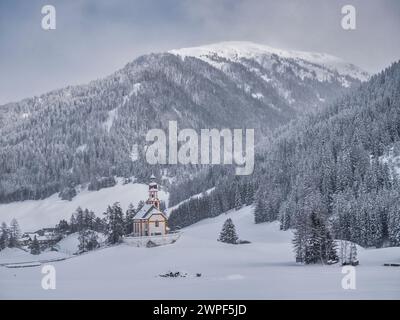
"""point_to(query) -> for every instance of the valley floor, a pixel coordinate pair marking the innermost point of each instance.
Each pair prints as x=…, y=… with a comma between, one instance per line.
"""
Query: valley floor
x=264, y=269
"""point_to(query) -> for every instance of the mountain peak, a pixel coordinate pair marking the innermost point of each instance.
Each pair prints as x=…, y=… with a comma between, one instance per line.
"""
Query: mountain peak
x=236, y=50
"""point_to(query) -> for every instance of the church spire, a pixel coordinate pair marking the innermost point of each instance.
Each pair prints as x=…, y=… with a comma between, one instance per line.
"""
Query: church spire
x=153, y=193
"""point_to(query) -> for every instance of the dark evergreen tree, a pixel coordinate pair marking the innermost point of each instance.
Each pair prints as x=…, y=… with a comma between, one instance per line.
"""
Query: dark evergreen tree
x=228, y=233
x=14, y=234
x=73, y=224
x=394, y=223
x=62, y=228
x=88, y=240
x=260, y=210
x=353, y=254
x=300, y=240
x=238, y=198
x=313, y=242
x=4, y=236
x=99, y=225
x=115, y=226
x=130, y=213
x=34, y=246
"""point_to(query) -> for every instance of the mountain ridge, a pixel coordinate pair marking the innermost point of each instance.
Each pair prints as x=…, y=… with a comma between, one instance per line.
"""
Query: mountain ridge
x=244, y=49
x=78, y=134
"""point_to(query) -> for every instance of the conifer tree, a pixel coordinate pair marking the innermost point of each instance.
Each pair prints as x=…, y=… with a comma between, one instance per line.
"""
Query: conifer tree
x=259, y=210
x=313, y=242
x=394, y=225
x=228, y=233
x=238, y=198
x=115, y=223
x=88, y=240
x=353, y=254
x=15, y=234
x=215, y=206
x=300, y=238
x=34, y=246
x=130, y=213
x=4, y=236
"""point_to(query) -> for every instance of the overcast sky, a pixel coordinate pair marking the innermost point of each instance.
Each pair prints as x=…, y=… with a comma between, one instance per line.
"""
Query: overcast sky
x=96, y=37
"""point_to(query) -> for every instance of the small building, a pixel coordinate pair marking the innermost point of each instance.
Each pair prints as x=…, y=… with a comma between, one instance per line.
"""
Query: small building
x=46, y=238
x=150, y=220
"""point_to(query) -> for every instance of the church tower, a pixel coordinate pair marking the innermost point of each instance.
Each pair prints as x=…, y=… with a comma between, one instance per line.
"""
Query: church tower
x=153, y=193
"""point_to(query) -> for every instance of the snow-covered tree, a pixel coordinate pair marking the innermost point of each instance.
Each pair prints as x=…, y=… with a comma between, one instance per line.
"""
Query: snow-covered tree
x=4, y=236
x=228, y=233
x=115, y=226
x=300, y=238
x=353, y=254
x=313, y=242
x=348, y=253
x=238, y=198
x=15, y=234
x=34, y=246
x=130, y=213
x=73, y=224
x=394, y=224
x=260, y=209
x=88, y=240
x=215, y=205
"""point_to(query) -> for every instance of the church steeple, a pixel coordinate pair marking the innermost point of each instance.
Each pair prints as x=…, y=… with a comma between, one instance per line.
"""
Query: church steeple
x=153, y=193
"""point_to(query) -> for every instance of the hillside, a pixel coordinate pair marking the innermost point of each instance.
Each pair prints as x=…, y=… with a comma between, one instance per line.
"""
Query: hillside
x=264, y=269
x=33, y=215
x=72, y=136
x=335, y=162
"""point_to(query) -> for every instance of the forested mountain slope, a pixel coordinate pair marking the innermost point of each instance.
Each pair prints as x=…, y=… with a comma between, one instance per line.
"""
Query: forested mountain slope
x=79, y=134
x=330, y=163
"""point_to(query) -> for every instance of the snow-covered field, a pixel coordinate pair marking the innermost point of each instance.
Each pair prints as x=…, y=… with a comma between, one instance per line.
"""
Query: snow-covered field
x=17, y=256
x=36, y=214
x=70, y=244
x=264, y=269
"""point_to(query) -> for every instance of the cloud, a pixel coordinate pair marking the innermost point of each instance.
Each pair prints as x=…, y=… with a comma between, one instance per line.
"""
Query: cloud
x=96, y=37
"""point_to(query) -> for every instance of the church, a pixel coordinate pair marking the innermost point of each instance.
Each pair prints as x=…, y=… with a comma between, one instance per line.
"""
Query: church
x=150, y=220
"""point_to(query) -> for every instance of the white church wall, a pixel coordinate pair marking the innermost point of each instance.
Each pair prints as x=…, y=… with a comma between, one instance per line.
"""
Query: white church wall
x=158, y=240
x=153, y=228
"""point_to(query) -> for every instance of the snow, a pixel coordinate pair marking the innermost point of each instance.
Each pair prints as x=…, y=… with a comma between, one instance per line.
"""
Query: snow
x=320, y=98
x=81, y=148
x=145, y=211
x=134, y=155
x=15, y=255
x=36, y=214
x=70, y=244
x=263, y=269
x=134, y=92
x=392, y=159
x=235, y=50
x=110, y=120
x=257, y=95
x=196, y=196
x=112, y=114
x=136, y=88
